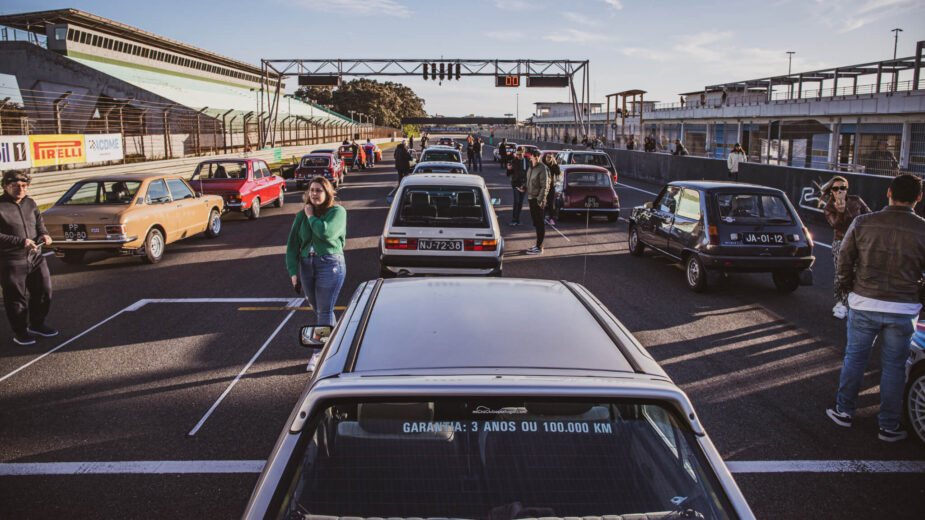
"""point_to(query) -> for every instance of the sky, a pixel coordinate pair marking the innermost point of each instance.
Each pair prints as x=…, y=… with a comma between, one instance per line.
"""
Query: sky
x=664, y=47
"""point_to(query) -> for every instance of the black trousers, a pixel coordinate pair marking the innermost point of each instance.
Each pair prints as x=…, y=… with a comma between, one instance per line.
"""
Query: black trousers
x=21, y=275
x=551, y=203
x=536, y=215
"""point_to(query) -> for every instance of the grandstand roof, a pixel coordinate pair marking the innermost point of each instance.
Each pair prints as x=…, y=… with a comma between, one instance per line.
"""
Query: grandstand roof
x=37, y=21
x=216, y=99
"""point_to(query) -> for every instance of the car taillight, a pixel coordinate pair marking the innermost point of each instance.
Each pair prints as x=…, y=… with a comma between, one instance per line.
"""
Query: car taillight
x=481, y=245
x=116, y=229
x=616, y=200
x=713, y=235
x=233, y=197
x=614, y=177
x=565, y=202
x=401, y=243
x=809, y=236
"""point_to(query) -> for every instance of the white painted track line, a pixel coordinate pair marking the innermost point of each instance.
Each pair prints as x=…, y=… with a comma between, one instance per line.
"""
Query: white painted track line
x=155, y=467
x=827, y=466
x=61, y=345
x=141, y=303
x=621, y=185
x=256, y=466
x=241, y=373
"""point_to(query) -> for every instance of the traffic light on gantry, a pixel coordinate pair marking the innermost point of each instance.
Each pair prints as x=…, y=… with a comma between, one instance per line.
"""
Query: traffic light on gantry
x=424, y=68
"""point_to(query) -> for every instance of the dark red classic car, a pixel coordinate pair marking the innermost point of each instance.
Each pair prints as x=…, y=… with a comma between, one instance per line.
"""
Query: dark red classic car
x=587, y=189
x=312, y=165
x=245, y=184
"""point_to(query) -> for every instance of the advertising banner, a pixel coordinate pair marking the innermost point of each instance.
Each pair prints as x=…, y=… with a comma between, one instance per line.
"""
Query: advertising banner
x=14, y=152
x=103, y=147
x=54, y=149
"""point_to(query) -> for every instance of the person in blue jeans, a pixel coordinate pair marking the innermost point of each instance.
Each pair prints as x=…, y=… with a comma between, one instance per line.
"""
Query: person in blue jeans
x=880, y=266
x=315, y=250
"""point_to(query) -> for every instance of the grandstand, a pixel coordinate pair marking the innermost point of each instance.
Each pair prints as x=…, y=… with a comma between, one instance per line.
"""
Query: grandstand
x=167, y=98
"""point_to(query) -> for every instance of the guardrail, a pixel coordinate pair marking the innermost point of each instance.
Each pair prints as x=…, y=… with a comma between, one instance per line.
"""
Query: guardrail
x=788, y=94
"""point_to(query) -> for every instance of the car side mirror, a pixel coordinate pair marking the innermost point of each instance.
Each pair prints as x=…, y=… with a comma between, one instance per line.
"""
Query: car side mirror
x=391, y=196
x=647, y=205
x=198, y=195
x=314, y=336
x=495, y=201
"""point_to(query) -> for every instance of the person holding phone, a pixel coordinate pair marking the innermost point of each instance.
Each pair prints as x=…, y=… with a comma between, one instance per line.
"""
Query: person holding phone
x=22, y=267
x=840, y=211
x=315, y=250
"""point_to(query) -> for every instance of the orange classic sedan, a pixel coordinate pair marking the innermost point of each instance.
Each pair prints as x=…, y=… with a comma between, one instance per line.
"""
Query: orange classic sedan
x=130, y=215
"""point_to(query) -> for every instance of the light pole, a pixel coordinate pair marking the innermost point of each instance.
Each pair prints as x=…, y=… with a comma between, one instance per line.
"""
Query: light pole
x=789, y=61
x=895, y=32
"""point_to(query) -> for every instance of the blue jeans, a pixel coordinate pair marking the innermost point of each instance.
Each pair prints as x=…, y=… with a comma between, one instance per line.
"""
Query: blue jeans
x=477, y=161
x=895, y=331
x=519, y=197
x=370, y=159
x=322, y=277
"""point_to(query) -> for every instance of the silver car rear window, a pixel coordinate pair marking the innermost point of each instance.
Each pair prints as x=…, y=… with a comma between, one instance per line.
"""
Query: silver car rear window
x=488, y=458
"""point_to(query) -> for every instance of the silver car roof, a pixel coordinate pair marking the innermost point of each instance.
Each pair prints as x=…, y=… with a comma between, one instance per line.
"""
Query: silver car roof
x=468, y=323
x=440, y=179
x=447, y=164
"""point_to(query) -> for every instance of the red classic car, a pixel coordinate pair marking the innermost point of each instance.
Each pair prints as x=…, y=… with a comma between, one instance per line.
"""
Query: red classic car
x=326, y=165
x=345, y=153
x=245, y=184
x=587, y=189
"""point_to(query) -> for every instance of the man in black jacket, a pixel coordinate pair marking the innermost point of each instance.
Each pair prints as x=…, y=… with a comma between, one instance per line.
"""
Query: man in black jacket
x=880, y=267
x=22, y=266
x=517, y=170
x=402, y=160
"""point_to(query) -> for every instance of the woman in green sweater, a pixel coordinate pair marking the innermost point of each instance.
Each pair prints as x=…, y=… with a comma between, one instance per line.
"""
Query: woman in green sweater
x=315, y=251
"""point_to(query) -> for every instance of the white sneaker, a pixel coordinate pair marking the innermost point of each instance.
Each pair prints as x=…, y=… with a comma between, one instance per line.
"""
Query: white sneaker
x=840, y=311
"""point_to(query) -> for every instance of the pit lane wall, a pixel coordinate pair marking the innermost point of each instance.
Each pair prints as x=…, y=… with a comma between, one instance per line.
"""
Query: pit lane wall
x=47, y=187
x=800, y=184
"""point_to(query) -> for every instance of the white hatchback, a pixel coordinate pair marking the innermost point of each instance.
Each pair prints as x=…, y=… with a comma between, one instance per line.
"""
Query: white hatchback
x=441, y=224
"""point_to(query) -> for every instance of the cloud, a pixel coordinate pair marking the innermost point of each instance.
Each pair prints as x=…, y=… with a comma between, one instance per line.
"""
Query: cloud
x=580, y=19
x=649, y=54
x=616, y=4
x=849, y=15
x=355, y=7
x=576, y=36
x=505, y=36
x=512, y=5
x=698, y=45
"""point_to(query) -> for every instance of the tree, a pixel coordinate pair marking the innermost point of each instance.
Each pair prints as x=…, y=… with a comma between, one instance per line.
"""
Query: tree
x=386, y=102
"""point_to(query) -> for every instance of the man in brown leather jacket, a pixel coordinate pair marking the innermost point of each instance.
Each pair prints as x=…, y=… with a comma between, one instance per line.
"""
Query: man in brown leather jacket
x=880, y=267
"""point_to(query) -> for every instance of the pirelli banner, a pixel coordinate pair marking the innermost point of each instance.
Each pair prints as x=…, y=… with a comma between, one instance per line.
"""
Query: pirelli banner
x=34, y=151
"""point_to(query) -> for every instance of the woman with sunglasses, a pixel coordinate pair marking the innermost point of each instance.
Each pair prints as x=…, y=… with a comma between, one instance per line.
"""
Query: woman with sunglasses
x=315, y=251
x=840, y=210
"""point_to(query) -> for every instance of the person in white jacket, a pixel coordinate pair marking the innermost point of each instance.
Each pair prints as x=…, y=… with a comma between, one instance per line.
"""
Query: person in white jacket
x=736, y=156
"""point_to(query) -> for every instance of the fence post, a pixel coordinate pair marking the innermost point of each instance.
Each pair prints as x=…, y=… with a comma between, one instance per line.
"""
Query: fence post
x=58, y=107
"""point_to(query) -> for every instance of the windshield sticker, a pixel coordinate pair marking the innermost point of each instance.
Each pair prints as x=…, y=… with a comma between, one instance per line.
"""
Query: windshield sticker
x=507, y=426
